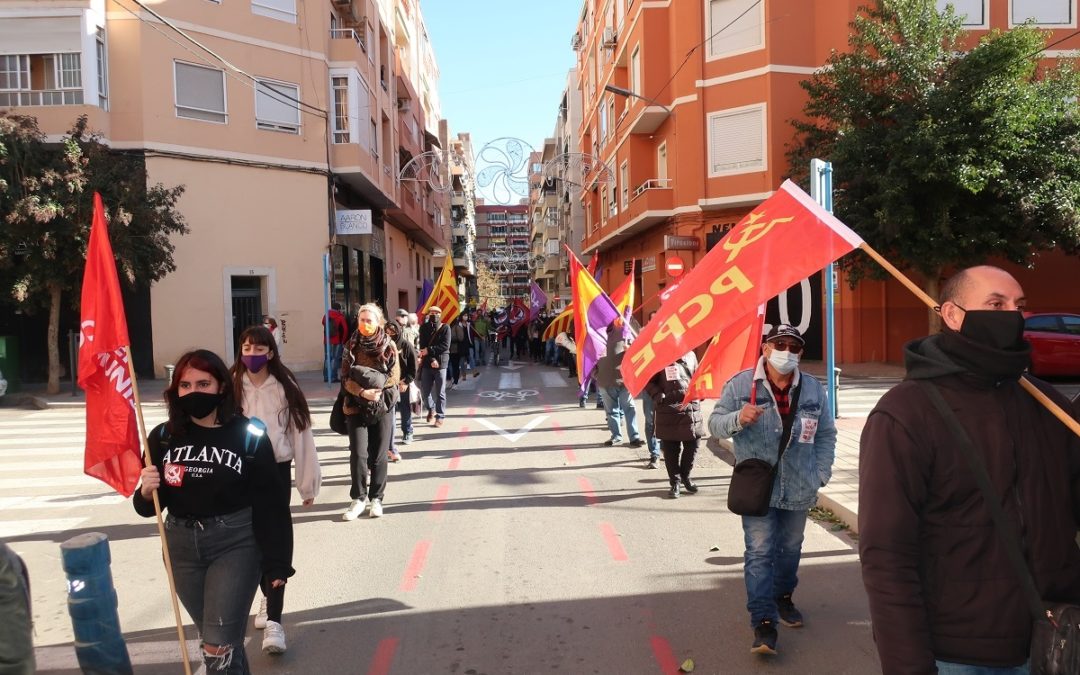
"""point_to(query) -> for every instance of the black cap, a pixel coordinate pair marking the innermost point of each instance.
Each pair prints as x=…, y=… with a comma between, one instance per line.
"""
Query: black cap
x=784, y=330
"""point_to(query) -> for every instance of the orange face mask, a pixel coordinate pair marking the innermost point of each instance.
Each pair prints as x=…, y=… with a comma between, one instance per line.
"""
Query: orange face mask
x=367, y=329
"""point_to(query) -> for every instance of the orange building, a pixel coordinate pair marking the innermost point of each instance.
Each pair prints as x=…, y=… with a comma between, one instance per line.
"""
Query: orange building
x=689, y=105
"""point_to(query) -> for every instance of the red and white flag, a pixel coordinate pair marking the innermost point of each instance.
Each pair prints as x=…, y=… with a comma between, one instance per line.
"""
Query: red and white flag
x=112, y=436
x=783, y=240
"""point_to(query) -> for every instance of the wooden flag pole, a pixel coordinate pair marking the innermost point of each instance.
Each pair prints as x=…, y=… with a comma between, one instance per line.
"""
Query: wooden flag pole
x=157, y=511
x=1027, y=384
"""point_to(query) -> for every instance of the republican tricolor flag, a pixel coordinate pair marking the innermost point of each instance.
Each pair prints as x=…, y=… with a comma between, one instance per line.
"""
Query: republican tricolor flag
x=593, y=313
x=112, y=436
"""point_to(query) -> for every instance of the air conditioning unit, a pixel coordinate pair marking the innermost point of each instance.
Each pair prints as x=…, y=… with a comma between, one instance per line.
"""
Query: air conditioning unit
x=575, y=42
x=610, y=37
x=403, y=104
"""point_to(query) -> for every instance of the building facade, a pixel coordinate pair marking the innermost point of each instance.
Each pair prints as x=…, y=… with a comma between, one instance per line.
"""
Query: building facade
x=503, y=243
x=688, y=105
x=274, y=115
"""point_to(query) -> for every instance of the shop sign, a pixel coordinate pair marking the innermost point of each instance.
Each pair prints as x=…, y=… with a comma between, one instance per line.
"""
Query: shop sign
x=354, y=221
x=677, y=243
x=648, y=263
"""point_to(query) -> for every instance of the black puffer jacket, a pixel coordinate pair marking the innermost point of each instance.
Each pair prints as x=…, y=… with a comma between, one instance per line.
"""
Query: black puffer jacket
x=674, y=421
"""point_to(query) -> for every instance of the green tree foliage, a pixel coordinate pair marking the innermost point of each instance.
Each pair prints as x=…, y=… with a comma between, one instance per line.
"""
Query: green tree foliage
x=942, y=155
x=46, y=206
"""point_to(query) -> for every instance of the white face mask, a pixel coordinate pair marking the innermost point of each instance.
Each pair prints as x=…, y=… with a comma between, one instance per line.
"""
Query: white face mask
x=784, y=362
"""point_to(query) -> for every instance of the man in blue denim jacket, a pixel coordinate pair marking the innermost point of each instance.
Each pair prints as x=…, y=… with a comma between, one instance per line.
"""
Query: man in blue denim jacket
x=756, y=411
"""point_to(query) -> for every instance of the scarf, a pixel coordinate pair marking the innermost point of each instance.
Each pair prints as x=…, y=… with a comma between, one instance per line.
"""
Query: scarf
x=984, y=364
x=378, y=345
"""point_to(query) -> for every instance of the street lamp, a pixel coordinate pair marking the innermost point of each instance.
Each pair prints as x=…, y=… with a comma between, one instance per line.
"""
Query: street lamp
x=626, y=92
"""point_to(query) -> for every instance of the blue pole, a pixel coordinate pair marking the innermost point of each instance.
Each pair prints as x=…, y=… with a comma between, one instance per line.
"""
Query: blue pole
x=821, y=191
x=326, y=319
x=99, y=644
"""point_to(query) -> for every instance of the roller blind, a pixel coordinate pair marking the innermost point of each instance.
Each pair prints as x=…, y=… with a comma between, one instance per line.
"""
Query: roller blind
x=733, y=27
x=275, y=106
x=1045, y=12
x=737, y=141
x=972, y=12
x=40, y=35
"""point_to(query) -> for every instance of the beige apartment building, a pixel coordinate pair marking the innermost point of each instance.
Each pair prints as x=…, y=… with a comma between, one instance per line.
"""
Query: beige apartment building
x=276, y=116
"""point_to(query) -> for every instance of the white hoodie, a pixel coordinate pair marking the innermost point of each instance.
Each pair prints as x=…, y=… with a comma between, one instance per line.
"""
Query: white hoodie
x=268, y=403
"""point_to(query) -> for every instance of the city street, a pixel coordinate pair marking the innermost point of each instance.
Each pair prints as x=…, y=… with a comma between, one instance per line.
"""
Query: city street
x=513, y=542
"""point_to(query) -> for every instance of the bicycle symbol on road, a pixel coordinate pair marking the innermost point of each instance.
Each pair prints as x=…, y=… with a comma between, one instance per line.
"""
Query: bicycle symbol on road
x=520, y=394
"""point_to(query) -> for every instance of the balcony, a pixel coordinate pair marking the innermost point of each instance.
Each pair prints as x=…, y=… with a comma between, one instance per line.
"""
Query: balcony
x=347, y=45
x=348, y=34
x=552, y=264
x=412, y=219
x=360, y=169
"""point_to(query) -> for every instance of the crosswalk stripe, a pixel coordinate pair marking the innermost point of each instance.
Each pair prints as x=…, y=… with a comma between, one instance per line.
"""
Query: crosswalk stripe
x=58, y=502
x=41, y=451
x=553, y=379
x=468, y=384
x=18, y=528
x=509, y=380
x=43, y=465
x=55, y=481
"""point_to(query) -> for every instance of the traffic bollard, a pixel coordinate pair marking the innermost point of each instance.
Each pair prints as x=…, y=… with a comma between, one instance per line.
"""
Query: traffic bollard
x=92, y=601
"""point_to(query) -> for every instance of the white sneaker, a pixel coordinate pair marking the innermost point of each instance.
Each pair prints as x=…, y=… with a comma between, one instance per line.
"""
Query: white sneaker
x=260, y=616
x=376, y=508
x=274, y=638
x=356, y=507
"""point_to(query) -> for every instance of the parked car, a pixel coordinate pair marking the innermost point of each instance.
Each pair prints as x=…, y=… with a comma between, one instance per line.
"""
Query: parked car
x=3, y=385
x=1055, y=343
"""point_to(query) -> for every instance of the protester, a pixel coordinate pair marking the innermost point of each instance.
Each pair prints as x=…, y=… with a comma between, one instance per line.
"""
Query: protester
x=228, y=521
x=339, y=332
x=434, y=359
x=481, y=328
x=271, y=324
x=618, y=404
x=943, y=594
x=648, y=409
x=678, y=426
x=412, y=330
x=16, y=630
x=370, y=374
x=268, y=391
x=407, y=366
x=770, y=408
x=460, y=344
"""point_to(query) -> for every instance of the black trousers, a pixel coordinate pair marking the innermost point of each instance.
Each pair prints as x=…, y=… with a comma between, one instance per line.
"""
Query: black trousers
x=275, y=597
x=679, y=467
x=368, y=454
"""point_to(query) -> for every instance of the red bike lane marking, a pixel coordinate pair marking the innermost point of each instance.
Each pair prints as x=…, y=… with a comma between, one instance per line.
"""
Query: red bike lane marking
x=463, y=432
x=455, y=461
x=439, y=503
x=555, y=426
x=571, y=456
x=587, y=489
x=472, y=412
x=665, y=658
x=384, y=656
x=416, y=565
x=611, y=537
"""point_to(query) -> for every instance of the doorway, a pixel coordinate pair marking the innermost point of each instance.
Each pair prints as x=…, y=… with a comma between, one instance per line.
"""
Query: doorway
x=378, y=281
x=246, y=306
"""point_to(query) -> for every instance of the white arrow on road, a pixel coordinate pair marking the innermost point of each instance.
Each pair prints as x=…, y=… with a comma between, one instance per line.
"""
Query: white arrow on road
x=513, y=365
x=513, y=438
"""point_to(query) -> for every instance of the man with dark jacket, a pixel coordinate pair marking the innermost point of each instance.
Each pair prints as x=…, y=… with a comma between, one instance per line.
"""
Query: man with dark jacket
x=618, y=403
x=943, y=594
x=434, y=359
x=407, y=362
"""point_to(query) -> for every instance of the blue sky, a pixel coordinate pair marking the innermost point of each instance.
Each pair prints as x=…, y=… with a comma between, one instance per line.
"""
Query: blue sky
x=502, y=64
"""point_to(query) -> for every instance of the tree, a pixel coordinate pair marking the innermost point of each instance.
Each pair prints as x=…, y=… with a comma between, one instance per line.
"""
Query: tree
x=944, y=157
x=46, y=202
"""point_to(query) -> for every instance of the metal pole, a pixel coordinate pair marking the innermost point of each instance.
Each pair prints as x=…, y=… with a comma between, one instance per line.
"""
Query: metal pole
x=821, y=191
x=99, y=644
x=326, y=319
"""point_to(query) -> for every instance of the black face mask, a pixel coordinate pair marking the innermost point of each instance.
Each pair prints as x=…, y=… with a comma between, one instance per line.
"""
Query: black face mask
x=1002, y=330
x=199, y=404
x=432, y=319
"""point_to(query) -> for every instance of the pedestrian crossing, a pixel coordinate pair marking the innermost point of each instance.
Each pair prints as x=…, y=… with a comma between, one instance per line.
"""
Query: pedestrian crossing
x=858, y=395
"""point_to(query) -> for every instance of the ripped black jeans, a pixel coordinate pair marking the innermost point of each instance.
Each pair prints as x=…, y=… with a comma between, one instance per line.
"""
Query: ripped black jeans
x=216, y=567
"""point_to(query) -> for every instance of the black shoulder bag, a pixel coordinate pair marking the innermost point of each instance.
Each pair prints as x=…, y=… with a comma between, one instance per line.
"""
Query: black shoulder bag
x=1055, y=638
x=752, y=480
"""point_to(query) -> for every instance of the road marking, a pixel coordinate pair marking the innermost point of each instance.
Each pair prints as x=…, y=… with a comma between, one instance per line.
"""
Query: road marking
x=439, y=503
x=611, y=537
x=466, y=384
x=509, y=380
x=471, y=412
x=515, y=437
x=665, y=658
x=455, y=461
x=20, y=528
x=587, y=490
x=556, y=426
x=571, y=456
x=62, y=657
x=57, y=481
x=54, y=465
x=415, y=566
x=551, y=379
x=547, y=408
x=513, y=365
x=384, y=656
x=55, y=502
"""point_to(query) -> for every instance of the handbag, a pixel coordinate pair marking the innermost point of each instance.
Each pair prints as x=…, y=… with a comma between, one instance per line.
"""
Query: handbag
x=337, y=415
x=1055, y=636
x=752, y=479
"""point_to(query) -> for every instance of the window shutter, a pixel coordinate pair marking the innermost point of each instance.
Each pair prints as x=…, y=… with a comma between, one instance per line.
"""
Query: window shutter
x=40, y=35
x=729, y=32
x=200, y=92
x=1045, y=12
x=737, y=141
x=274, y=105
x=972, y=12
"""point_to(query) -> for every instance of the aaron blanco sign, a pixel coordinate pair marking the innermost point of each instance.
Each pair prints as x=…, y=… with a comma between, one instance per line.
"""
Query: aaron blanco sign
x=354, y=222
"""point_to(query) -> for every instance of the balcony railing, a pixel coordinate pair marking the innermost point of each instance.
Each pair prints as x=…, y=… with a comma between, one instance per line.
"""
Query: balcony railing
x=652, y=184
x=347, y=34
x=10, y=99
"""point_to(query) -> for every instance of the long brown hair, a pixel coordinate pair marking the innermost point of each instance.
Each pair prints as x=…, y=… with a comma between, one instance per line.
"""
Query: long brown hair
x=299, y=413
x=208, y=361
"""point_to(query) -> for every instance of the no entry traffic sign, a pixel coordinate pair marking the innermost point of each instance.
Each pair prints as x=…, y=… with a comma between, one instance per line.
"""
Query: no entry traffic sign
x=674, y=266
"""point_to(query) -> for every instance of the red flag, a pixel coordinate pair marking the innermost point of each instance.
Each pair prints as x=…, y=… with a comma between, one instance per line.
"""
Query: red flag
x=785, y=239
x=736, y=348
x=519, y=316
x=592, y=265
x=112, y=436
x=623, y=296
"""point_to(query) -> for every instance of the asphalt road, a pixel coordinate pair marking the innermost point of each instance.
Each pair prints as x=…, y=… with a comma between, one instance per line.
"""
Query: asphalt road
x=512, y=542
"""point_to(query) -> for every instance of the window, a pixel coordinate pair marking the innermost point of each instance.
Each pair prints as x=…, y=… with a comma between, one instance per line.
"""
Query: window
x=1044, y=12
x=971, y=12
x=624, y=183
x=276, y=107
x=635, y=70
x=200, y=92
x=661, y=161
x=603, y=121
x=611, y=114
x=735, y=27
x=374, y=138
x=340, y=87
x=1072, y=325
x=282, y=10
x=737, y=140
x=102, y=70
x=1043, y=324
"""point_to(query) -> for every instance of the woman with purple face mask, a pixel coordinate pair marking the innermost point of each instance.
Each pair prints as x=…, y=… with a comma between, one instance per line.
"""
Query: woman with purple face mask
x=267, y=389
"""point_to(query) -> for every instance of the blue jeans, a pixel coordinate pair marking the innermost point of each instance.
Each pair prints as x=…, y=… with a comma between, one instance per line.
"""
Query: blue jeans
x=216, y=567
x=433, y=389
x=335, y=362
x=948, y=668
x=648, y=408
x=551, y=354
x=771, y=562
x=619, y=406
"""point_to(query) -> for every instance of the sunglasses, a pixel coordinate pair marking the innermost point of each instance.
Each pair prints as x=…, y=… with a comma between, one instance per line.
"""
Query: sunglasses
x=793, y=347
